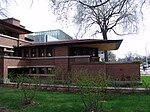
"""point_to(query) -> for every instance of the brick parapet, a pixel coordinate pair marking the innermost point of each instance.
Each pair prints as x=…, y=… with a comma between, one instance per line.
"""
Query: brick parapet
x=116, y=71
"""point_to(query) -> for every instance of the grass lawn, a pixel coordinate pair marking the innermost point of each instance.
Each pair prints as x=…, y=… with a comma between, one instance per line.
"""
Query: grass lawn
x=146, y=79
x=68, y=102
x=44, y=102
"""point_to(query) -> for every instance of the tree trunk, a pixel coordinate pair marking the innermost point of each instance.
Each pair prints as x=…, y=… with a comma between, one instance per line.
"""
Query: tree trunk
x=106, y=56
x=104, y=33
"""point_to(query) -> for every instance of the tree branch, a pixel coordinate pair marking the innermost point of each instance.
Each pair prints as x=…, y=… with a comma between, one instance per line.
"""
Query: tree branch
x=94, y=5
x=122, y=34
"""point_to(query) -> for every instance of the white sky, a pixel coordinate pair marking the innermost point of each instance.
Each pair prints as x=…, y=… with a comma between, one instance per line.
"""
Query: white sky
x=40, y=18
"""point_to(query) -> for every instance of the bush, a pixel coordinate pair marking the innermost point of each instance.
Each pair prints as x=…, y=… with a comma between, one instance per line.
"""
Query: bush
x=28, y=86
x=92, y=90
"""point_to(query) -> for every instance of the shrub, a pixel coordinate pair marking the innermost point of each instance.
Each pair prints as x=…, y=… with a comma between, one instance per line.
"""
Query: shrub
x=92, y=90
x=28, y=86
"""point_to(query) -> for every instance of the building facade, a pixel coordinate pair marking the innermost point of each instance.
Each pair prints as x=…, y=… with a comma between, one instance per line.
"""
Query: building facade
x=20, y=55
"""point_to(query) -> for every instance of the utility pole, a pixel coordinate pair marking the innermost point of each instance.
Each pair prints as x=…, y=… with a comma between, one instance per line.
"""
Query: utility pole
x=146, y=60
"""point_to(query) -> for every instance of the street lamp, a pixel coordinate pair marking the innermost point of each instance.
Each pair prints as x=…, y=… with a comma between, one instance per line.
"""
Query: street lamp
x=146, y=60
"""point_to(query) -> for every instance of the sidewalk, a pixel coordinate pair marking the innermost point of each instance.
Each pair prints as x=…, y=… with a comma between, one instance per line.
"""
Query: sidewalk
x=146, y=72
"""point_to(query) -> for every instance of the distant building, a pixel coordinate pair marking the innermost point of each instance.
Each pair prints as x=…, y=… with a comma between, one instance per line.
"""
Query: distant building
x=50, y=35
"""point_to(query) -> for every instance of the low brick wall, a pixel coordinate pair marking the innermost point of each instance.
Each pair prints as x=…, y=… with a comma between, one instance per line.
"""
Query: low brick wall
x=124, y=71
x=115, y=71
x=129, y=71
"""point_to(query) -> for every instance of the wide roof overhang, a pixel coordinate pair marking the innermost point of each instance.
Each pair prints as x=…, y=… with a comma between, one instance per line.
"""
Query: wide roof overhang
x=13, y=28
x=93, y=43
x=101, y=44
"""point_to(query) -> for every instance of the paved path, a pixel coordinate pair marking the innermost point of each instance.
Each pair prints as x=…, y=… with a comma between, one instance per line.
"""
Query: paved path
x=146, y=72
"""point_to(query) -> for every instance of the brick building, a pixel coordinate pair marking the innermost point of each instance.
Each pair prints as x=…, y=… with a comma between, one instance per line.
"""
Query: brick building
x=20, y=55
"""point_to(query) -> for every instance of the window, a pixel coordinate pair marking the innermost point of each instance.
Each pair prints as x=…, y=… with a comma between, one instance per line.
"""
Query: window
x=49, y=51
x=33, y=52
x=33, y=70
x=5, y=32
x=41, y=52
x=41, y=70
x=26, y=53
x=1, y=52
x=21, y=71
x=18, y=52
x=50, y=70
x=83, y=51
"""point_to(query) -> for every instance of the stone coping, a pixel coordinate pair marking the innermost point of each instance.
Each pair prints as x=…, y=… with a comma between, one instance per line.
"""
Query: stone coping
x=75, y=89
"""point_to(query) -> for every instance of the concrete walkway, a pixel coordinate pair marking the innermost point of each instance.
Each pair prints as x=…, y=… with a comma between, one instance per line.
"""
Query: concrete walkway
x=146, y=72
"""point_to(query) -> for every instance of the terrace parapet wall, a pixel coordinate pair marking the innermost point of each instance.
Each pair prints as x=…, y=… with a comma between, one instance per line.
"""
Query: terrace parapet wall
x=116, y=71
x=36, y=62
x=8, y=41
x=12, y=41
x=125, y=71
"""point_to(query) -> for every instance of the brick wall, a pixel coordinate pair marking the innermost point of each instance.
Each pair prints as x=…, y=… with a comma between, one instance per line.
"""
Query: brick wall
x=8, y=41
x=12, y=41
x=1, y=67
x=116, y=71
x=91, y=69
x=82, y=58
x=63, y=65
x=123, y=71
x=12, y=21
x=13, y=62
x=61, y=51
x=40, y=61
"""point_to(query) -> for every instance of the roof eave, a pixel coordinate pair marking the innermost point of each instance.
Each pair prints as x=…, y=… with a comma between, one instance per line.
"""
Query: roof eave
x=18, y=29
x=100, y=44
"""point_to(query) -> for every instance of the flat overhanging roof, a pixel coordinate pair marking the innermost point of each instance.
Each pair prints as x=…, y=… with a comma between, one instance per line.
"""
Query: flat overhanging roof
x=13, y=28
x=101, y=44
x=94, y=43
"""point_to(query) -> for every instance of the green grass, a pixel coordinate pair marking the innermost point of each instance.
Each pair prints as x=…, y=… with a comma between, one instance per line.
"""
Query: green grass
x=68, y=102
x=146, y=79
x=129, y=103
x=44, y=101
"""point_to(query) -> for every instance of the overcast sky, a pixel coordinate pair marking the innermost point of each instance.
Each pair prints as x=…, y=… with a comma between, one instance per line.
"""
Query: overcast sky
x=39, y=17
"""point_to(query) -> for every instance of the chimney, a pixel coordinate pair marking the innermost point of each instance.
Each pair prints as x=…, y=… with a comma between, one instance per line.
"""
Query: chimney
x=12, y=21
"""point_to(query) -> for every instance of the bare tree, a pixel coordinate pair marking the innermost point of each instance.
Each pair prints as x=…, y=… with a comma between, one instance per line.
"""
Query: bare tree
x=100, y=16
x=111, y=56
x=131, y=56
x=3, y=7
